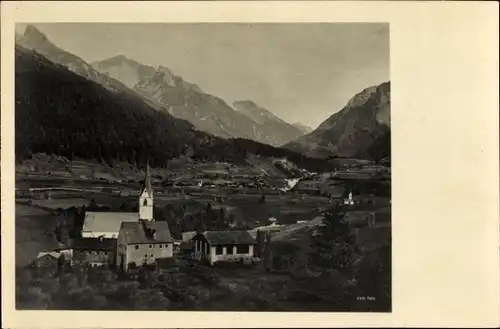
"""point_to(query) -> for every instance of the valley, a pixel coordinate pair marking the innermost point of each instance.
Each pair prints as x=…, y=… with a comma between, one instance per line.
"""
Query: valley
x=136, y=190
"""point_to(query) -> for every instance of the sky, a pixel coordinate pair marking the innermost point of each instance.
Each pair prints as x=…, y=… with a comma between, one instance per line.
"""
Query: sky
x=302, y=72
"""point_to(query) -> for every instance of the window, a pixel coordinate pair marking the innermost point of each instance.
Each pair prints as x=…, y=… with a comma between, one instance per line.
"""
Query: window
x=145, y=202
x=136, y=247
x=161, y=246
x=229, y=250
x=242, y=249
x=218, y=250
x=151, y=255
x=150, y=246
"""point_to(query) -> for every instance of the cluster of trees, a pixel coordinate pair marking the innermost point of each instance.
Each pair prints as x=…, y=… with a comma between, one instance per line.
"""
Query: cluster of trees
x=336, y=255
x=60, y=112
x=200, y=220
x=335, y=269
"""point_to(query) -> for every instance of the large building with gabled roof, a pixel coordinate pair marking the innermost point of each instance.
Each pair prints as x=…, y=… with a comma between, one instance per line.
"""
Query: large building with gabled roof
x=142, y=242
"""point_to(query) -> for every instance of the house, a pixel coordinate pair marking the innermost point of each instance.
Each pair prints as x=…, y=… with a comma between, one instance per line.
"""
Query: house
x=166, y=266
x=47, y=263
x=94, y=252
x=273, y=227
x=349, y=201
x=224, y=246
x=185, y=250
x=187, y=236
x=142, y=242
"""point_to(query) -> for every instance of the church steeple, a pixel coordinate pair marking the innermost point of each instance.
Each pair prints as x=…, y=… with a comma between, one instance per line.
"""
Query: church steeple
x=146, y=197
x=147, y=181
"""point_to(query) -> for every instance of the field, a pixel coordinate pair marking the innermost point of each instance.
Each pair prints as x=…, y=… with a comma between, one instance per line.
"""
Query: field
x=285, y=288
x=34, y=233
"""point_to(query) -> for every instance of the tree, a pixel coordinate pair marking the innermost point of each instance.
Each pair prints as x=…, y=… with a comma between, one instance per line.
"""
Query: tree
x=334, y=248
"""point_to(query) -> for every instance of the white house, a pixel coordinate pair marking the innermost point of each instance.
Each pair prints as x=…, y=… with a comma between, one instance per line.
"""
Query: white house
x=143, y=242
x=224, y=246
x=349, y=201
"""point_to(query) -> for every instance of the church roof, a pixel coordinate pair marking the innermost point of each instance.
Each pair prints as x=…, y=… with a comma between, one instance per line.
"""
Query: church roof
x=141, y=232
x=146, y=185
x=107, y=221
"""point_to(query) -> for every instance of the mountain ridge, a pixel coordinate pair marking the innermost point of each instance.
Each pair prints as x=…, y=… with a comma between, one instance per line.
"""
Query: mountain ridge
x=60, y=112
x=186, y=100
x=352, y=131
x=37, y=41
x=303, y=128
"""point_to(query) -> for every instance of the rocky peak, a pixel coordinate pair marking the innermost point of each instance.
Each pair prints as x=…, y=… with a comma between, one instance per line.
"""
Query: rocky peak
x=34, y=34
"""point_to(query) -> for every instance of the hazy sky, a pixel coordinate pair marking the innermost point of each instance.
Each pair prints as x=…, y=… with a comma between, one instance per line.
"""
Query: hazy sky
x=302, y=72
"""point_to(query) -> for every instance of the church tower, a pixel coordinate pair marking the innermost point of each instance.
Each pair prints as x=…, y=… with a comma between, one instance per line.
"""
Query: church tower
x=146, y=198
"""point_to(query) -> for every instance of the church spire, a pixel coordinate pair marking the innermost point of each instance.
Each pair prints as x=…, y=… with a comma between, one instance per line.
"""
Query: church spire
x=147, y=181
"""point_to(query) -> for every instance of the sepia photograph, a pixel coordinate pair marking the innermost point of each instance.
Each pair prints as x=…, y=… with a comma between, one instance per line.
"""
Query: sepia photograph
x=247, y=164
x=203, y=166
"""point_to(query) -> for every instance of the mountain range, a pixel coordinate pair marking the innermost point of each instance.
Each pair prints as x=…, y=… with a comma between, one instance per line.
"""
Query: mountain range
x=185, y=100
x=360, y=129
x=163, y=90
x=60, y=112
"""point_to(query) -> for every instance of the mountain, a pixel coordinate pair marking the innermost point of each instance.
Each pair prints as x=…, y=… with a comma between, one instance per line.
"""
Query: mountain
x=123, y=69
x=35, y=40
x=161, y=89
x=187, y=101
x=303, y=128
x=60, y=112
x=131, y=72
x=280, y=131
x=360, y=129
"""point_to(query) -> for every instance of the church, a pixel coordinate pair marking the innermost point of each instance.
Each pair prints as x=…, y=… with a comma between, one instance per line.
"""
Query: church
x=144, y=240
x=139, y=238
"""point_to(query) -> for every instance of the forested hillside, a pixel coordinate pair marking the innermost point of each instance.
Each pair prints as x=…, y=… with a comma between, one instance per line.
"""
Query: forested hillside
x=60, y=112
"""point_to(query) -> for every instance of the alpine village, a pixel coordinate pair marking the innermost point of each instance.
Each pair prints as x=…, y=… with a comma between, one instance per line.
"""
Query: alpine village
x=125, y=200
